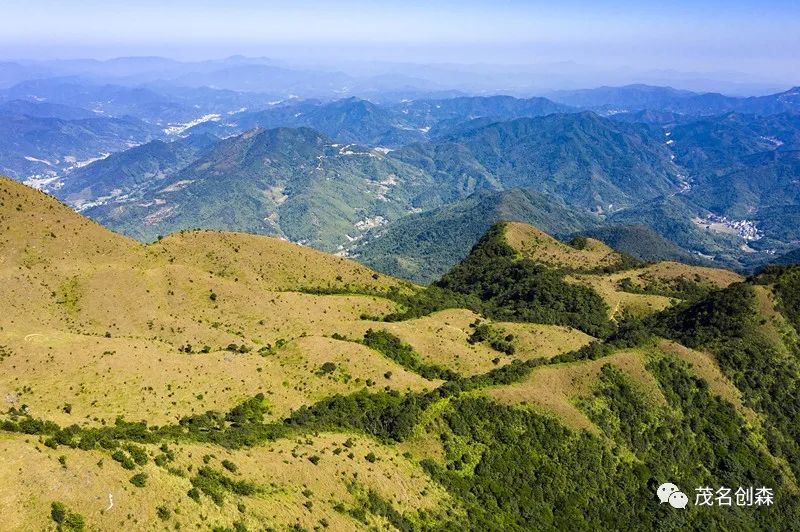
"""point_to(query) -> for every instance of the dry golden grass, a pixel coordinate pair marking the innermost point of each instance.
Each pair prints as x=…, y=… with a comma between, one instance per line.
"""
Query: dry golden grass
x=552, y=389
x=31, y=477
x=441, y=339
x=103, y=378
x=619, y=301
x=99, y=322
x=106, y=319
x=534, y=340
x=268, y=263
x=537, y=245
x=668, y=270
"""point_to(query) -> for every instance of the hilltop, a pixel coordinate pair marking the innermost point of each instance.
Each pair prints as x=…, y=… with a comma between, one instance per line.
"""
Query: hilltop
x=214, y=379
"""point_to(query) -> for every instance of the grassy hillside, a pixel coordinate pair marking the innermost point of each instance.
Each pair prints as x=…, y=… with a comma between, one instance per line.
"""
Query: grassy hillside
x=536, y=245
x=227, y=381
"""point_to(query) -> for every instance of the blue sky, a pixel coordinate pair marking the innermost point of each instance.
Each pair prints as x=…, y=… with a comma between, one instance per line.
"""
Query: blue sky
x=756, y=38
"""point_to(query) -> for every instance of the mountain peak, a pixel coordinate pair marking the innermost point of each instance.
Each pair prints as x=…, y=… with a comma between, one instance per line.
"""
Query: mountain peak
x=536, y=245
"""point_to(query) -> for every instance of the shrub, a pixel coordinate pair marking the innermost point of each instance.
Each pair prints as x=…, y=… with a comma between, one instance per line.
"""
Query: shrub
x=73, y=523
x=327, y=368
x=138, y=454
x=163, y=513
x=215, y=484
x=139, y=480
x=66, y=520
x=125, y=460
x=58, y=512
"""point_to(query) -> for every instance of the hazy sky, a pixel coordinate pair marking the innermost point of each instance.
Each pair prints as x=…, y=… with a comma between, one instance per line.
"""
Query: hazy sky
x=757, y=38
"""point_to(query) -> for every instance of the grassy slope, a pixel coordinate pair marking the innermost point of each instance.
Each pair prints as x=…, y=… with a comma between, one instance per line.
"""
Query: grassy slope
x=65, y=291
x=66, y=282
x=596, y=256
x=541, y=247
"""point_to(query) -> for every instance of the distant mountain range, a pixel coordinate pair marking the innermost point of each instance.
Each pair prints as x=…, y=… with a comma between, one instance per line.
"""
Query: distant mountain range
x=564, y=172
x=296, y=183
x=640, y=97
x=392, y=126
x=408, y=185
x=587, y=161
x=39, y=149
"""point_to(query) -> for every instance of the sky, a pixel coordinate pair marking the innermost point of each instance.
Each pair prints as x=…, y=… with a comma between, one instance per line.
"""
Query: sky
x=754, y=40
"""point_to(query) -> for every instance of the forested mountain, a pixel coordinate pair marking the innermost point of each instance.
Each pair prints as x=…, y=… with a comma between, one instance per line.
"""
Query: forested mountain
x=348, y=120
x=43, y=110
x=720, y=188
x=675, y=218
x=643, y=243
x=35, y=148
x=589, y=162
x=465, y=108
x=364, y=122
x=716, y=176
x=129, y=173
x=793, y=257
x=295, y=183
x=740, y=164
x=710, y=145
x=628, y=98
x=107, y=99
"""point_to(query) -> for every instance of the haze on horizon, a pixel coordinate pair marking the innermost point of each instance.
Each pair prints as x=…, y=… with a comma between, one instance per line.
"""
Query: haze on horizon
x=745, y=42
